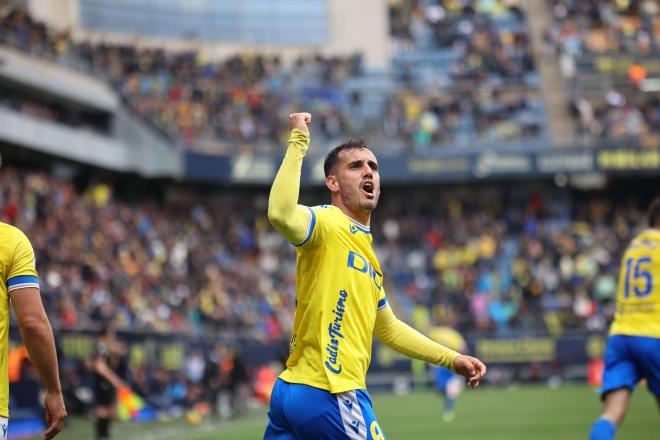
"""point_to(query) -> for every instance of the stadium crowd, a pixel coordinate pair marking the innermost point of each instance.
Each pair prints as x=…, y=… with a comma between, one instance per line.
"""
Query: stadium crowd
x=241, y=98
x=482, y=260
x=618, y=115
x=205, y=104
x=487, y=39
x=184, y=268
x=480, y=85
x=139, y=267
x=427, y=119
x=607, y=26
x=526, y=264
x=196, y=265
x=610, y=28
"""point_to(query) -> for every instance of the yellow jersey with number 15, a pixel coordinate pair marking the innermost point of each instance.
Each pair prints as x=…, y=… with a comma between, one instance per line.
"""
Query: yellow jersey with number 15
x=638, y=296
x=339, y=289
x=17, y=270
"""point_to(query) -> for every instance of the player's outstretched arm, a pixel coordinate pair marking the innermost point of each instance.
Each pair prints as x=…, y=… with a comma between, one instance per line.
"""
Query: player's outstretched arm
x=35, y=330
x=284, y=213
x=406, y=340
x=38, y=338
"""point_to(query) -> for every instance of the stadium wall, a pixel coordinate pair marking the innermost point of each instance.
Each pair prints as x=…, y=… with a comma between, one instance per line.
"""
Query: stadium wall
x=59, y=14
x=47, y=77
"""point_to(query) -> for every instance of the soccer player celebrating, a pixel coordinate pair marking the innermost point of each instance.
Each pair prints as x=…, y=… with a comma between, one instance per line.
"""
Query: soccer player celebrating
x=341, y=301
x=633, y=347
x=21, y=285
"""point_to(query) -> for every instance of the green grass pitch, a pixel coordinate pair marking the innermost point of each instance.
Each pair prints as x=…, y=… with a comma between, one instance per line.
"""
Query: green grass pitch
x=536, y=413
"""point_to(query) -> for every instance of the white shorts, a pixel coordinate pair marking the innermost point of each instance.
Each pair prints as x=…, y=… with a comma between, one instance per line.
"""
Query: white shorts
x=4, y=423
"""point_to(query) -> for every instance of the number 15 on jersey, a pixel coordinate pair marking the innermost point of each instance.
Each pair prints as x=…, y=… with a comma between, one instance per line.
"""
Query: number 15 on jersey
x=638, y=277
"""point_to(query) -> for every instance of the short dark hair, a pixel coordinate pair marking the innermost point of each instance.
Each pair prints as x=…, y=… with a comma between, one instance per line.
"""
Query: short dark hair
x=333, y=156
x=654, y=213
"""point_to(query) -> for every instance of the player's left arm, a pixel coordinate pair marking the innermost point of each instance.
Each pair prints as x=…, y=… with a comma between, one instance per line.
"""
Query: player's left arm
x=35, y=330
x=406, y=340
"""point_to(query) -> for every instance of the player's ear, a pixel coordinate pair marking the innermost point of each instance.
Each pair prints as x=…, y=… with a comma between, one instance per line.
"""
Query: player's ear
x=332, y=183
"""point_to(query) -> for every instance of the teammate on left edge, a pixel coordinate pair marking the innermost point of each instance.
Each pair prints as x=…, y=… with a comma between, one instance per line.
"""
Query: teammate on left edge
x=20, y=285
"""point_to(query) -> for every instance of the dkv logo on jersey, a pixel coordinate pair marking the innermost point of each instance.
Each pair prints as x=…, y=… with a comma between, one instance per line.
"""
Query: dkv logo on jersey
x=359, y=263
x=334, y=331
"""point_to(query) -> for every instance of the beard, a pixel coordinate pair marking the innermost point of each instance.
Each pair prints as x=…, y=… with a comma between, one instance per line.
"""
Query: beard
x=358, y=201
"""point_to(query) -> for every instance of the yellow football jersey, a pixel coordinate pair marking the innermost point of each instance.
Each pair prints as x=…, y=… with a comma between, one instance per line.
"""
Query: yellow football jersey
x=448, y=337
x=339, y=289
x=638, y=296
x=17, y=270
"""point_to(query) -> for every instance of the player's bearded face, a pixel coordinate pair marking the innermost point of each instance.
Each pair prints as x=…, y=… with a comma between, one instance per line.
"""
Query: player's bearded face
x=359, y=181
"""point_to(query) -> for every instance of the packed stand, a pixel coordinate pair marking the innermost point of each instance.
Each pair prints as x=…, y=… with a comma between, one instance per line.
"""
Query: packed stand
x=485, y=41
x=633, y=117
x=484, y=260
x=468, y=70
x=241, y=99
x=198, y=102
x=187, y=265
x=627, y=29
x=197, y=265
x=540, y=263
x=426, y=120
x=183, y=267
x=483, y=93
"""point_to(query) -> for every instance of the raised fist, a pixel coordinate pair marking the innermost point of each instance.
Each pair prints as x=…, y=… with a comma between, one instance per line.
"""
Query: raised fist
x=300, y=121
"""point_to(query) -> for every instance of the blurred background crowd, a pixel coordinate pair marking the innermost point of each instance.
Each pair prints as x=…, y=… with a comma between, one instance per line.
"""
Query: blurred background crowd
x=485, y=260
x=482, y=260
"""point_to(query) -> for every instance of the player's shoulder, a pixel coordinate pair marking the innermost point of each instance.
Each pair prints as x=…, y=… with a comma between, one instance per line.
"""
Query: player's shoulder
x=324, y=212
x=6, y=227
x=9, y=232
x=11, y=238
x=321, y=208
x=647, y=238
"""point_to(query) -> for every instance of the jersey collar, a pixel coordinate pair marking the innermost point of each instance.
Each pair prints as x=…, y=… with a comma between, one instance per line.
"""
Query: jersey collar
x=358, y=225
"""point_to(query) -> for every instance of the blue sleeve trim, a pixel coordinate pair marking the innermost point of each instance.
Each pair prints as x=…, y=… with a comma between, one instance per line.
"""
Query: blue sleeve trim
x=312, y=223
x=22, y=281
x=382, y=303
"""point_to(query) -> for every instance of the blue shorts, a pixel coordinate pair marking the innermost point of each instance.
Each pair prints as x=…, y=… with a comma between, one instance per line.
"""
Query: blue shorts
x=302, y=412
x=628, y=359
x=442, y=378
